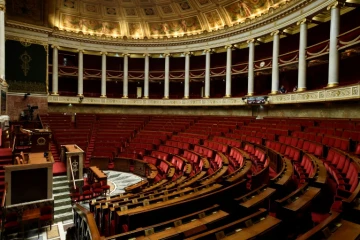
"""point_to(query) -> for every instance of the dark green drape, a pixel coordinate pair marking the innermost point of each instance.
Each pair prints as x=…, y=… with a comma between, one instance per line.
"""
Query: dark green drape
x=25, y=67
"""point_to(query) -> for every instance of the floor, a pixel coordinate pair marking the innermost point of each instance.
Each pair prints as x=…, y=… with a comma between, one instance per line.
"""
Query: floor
x=118, y=181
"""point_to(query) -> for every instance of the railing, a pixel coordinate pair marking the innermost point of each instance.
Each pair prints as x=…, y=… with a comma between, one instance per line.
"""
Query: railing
x=3, y=200
x=85, y=225
x=72, y=174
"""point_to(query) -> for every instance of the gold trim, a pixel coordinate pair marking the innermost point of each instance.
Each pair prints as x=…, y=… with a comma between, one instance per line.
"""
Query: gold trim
x=124, y=97
x=167, y=54
x=301, y=89
x=227, y=96
x=103, y=96
x=250, y=94
x=2, y=7
x=146, y=55
x=330, y=85
x=333, y=5
x=302, y=21
x=145, y=97
x=250, y=41
x=276, y=32
x=274, y=92
x=80, y=95
x=186, y=97
x=55, y=94
x=206, y=97
x=25, y=40
x=165, y=97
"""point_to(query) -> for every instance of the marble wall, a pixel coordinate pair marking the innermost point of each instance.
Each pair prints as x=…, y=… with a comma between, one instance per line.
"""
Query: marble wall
x=328, y=110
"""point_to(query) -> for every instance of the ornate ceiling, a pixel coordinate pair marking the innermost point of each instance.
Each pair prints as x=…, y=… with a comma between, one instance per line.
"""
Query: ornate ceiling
x=139, y=18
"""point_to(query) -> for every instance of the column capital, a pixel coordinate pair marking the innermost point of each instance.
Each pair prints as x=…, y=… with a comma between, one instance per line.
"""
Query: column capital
x=55, y=46
x=302, y=21
x=251, y=41
x=104, y=53
x=188, y=53
x=228, y=46
x=80, y=50
x=147, y=55
x=125, y=54
x=209, y=50
x=167, y=54
x=2, y=7
x=276, y=32
x=336, y=4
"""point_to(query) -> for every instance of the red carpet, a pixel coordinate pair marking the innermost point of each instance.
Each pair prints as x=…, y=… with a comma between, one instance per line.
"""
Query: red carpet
x=59, y=168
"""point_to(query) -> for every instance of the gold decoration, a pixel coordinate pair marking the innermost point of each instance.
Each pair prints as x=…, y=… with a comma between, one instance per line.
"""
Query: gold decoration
x=25, y=58
x=26, y=43
x=2, y=7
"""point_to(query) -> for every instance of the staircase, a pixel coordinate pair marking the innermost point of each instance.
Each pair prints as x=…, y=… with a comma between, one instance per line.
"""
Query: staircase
x=54, y=152
x=62, y=202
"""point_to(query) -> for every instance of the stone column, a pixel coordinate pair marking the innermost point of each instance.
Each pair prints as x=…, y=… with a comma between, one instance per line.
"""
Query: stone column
x=333, y=77
x=146, y=76
x=187, y=75
x=126, y=75
x=55, y=70
x=275, y=63
x=167, y=75
x=103, y=74
x=81, y=73
x=228, y=71
x=251, y=44
x=302, y=56
x=2, y=40
x=207, y=73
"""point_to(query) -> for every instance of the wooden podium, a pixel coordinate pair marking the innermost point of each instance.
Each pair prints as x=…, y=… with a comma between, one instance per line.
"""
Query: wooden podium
x=73, y=157
x=40, y=140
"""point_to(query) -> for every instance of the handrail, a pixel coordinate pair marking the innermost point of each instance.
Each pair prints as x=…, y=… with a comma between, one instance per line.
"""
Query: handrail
x=14, y=141
x=4, y=196
x=89, y=219
x=72, y=173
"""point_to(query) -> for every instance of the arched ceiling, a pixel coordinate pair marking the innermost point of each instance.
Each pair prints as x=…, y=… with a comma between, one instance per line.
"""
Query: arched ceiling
x=140, y=18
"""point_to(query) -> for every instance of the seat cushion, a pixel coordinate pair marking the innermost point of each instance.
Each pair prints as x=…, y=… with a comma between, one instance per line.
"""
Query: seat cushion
x=46, y=217
x=11, y=224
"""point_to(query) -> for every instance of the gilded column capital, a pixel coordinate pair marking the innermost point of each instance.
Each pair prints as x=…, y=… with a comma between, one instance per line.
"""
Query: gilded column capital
x=55, y=46
x=2, y=7
x=146, y=55
x=302, y=21
x=228, y=46
x=207, y=50
x=167, y=54
x=250, y=41
x=335, y=4
x=80, y=50
x=188, y=53
x=104, y=53
x=125, y=54
x=276, y=32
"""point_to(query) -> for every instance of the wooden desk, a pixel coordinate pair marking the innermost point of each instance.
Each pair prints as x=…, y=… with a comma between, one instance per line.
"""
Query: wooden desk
x=194, y=179
x=215, y=176
x=286, y=173
x=258, y=228
x=38, y=158
x=258, y=198
x=153, y=171
x=198, y=224
x=161, y=204
x=304, y=199
x=347, y=230
x=239, y=173
x=137, y=186
x=95, y=172
x=73, y=148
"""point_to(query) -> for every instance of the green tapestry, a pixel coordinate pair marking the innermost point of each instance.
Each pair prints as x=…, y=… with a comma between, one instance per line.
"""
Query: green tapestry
x=25, y=67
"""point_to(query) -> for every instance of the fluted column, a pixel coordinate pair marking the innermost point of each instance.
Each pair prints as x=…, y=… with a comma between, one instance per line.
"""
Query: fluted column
x=2, y=41
x=207, y=73
x=187, y=75
x=103, y=74
x=333, y=77
x=167, y=75
x=275, y=62
x=251, y=44
x=126, y=76
x=302, y=56
x=146, y=76
x=55, y=70
x=81, y=73
x=228, y=71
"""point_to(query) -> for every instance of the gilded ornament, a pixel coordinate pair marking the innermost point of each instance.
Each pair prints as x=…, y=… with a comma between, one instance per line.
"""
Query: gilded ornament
x=25, y=59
